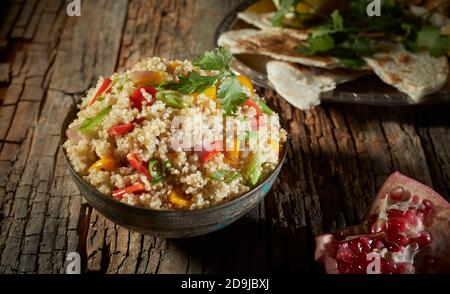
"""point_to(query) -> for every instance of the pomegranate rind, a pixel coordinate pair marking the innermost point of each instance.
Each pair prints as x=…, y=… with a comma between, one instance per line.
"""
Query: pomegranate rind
x=438, y=251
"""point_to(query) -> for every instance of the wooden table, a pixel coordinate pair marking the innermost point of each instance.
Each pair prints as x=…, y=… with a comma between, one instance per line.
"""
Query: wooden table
x=339, y=155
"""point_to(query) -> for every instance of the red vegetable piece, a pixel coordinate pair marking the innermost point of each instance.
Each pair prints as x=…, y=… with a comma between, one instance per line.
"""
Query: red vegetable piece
x=251, y=103
x=137, y=164
x=102, y=88
x=413, y=228
x=136, y=188
x=121, y=130
x=137, y=98
x=205, y=155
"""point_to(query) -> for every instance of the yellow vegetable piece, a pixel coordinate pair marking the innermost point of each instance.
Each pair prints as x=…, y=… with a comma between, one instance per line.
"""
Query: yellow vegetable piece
x=172, y=66
x=275, y=146
x=232, y=156
x=235, y=152
x=107, y=163
x=150, y=78
x=246, y=83
x=176, y=198
x=211, y=93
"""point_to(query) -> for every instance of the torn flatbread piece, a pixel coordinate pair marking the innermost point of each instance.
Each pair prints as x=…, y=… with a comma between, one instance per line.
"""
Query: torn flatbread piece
x=301, y=86
x=415, y=74
x=277, y=44
x=263, y=21
x=260, y=20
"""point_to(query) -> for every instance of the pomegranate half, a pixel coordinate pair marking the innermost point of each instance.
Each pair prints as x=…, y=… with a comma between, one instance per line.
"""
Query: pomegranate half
x=406, y=231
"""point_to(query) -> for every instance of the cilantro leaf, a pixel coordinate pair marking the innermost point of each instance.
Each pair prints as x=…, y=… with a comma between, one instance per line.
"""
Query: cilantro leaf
x=338, y=21
x=322, y=43
x=194, y=82
x=218, y=59
x=430, y=38
x=231, y=94
x=352, y=62
x=359, y=45
x=284, y=7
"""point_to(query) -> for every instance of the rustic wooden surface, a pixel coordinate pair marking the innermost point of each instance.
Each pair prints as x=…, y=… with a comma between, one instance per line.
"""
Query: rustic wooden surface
x=339, y=156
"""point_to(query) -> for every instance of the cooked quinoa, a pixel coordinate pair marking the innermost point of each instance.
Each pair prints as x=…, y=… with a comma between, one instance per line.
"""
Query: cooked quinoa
x=122, y=141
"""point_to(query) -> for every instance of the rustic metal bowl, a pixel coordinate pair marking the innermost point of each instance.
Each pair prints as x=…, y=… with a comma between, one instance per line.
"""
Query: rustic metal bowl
x=170, y=224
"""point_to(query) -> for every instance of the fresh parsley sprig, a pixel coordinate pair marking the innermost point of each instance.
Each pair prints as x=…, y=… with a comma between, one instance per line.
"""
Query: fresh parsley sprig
x=230, y=92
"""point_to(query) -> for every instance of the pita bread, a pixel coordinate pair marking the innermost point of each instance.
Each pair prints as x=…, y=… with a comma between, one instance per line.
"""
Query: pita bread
x=278, y=44
x=415, y=74
x=263, y=21
x=301, y=86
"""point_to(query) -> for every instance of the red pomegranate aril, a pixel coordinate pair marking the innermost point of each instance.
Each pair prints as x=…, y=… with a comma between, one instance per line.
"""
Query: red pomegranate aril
x=378, y=226
x=427, y=203
x=424, y=239
x=394, y=247
x=402, y=240
x=378, y=244
x=397, y=194
x=415, y=199
x=394, y=213
x=428, y=214
x=345, y=254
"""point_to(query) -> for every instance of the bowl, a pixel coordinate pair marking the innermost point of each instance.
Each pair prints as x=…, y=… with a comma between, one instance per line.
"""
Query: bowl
x=170, y=224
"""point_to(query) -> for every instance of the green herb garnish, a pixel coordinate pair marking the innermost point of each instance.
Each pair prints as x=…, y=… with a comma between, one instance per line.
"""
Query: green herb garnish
x=230, y=92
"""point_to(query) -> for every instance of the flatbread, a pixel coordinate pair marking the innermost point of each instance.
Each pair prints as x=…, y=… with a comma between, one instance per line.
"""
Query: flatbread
x=278, y=44
x=415, y=74
x=301, y=86
x=260, y=20
x=263, y=21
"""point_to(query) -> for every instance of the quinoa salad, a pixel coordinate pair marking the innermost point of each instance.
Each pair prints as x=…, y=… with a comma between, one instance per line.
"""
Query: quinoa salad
x=175, y=135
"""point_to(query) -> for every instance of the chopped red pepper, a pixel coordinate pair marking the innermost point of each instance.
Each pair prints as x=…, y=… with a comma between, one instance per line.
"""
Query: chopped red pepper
x=102, y=88
x=136, y=188
x=136, y=97
x=256, y=122
x=205, y=156
x=252, y=103
x=121, y=130
x=137, y=165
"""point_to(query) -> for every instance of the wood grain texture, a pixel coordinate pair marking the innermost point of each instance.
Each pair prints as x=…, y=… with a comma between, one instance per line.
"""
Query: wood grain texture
x=339, y=155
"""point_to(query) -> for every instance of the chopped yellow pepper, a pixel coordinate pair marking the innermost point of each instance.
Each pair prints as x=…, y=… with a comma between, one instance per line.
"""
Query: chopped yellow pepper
x=172, y=65
x=275, y=145
x=232, y=156
x=106, y=163
x=246, y=83
x=176, y=198
x=149, y=78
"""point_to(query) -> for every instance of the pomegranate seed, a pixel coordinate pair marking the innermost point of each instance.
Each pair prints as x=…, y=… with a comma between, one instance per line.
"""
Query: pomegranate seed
x=424, y=239
x=394, y=213
x=345, y=254
x=397, y=194
x=402, y=240
x=428, y=215
x=378, y=244
x=427, y=203
x=394, y=247
x=378, y=226
x=415, y=199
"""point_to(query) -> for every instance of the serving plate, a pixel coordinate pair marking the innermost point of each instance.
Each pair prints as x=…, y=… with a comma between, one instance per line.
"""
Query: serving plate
x=368, y=90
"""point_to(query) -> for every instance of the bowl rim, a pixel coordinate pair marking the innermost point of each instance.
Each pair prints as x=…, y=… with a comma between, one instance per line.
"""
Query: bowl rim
x=72, y=114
